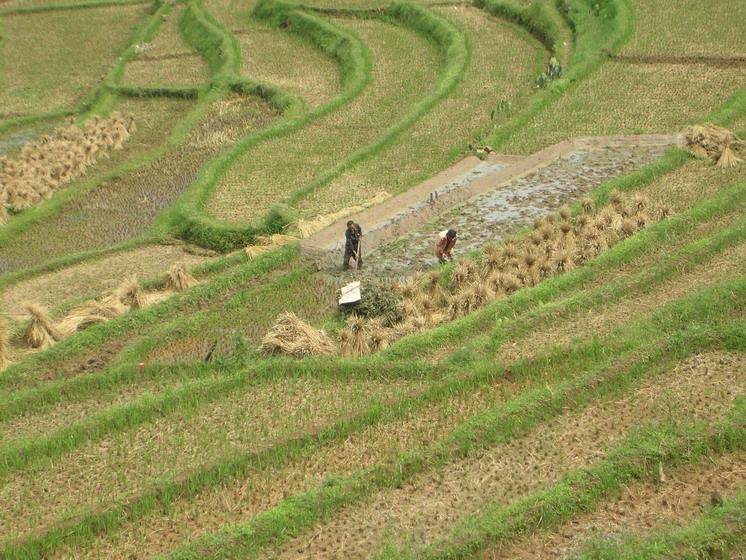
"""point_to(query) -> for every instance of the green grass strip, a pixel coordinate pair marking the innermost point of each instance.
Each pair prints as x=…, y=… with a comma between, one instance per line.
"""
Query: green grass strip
x=70, y=6
x=453, y=47
x=533, y=17
x=501, y=423
x=527, y=298
x=637, y=457
x=720, y=532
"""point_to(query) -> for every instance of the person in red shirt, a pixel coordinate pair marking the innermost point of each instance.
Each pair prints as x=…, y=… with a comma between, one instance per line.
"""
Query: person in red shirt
x=444, y=245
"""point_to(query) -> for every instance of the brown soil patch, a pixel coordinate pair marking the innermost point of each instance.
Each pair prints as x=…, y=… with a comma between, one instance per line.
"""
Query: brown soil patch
x=237, y=500
x=639, y=508
x=427, y=507
x=124, y=464
x=93, y=278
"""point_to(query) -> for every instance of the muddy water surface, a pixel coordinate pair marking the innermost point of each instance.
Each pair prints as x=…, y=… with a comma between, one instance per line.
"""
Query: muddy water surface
x=516, y=204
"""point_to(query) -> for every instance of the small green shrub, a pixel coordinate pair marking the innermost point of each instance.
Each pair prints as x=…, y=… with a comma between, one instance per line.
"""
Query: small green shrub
x=377, y=300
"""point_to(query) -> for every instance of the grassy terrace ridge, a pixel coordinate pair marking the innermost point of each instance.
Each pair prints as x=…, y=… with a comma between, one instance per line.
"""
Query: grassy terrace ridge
x=611, y=382
x=634, y=458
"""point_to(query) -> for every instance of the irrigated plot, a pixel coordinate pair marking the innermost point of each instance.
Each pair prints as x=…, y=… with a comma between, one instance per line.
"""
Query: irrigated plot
x=495, y=214
x=125, y=464
x=405, y=67
x=500, y=74
x=125, y=207
x=285, y=60
x=623, y=98
x=427, y=507
x=51, y=60
x=167, y=60
x=679, y=29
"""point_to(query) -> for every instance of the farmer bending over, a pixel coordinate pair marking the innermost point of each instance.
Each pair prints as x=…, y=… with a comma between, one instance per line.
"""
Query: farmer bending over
x=444, y=245
x=353, y=233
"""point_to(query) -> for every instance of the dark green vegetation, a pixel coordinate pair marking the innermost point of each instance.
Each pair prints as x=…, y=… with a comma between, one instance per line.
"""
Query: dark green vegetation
x=516, y=422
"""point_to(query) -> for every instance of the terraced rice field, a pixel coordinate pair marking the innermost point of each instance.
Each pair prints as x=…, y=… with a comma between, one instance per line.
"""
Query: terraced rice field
x=597, y=410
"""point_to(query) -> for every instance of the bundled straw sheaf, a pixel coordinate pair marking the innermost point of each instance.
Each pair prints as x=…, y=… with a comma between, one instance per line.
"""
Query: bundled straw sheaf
x=40, y=331
x=293, y=337
x=178, y=278
x=715, y=143
x=4, y=347
x=58, y=158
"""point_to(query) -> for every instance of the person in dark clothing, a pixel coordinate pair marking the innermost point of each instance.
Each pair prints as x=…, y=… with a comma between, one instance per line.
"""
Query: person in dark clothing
x=353, y=233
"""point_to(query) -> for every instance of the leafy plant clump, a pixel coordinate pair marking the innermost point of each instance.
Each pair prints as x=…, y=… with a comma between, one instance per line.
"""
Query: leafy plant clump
x=377, y=301
x=553, y=72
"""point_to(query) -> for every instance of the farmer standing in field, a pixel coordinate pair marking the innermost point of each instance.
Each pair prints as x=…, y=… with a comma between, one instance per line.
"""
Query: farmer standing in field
x=444, y=245
x=353, y=233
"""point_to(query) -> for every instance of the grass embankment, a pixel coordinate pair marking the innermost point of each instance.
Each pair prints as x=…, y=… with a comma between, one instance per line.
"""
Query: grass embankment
x=303, y=510
x=555, y=364
x=52, y=59
x=636, y=457
x=504, y=60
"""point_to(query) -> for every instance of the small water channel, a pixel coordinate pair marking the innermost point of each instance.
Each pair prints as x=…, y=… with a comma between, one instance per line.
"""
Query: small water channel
x=495, y=214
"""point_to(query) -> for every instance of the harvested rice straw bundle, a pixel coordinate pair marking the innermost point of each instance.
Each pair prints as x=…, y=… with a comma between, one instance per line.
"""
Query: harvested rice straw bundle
x=131, y=294
x=728, y=157
x=40, y=331
x=355, y=340
x=4, y=347
x=77, y=321
x=292, y=337
x=709, y=140
x=379, y=336
x=178, y=278
x=491, y=259
x=464, y=271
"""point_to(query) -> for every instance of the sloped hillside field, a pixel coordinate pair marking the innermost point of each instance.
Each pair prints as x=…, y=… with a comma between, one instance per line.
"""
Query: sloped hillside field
x=178, y=380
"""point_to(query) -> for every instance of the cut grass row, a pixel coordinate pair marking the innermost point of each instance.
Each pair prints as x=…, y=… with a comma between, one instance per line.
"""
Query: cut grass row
x=510, y=469
x=555, y=361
